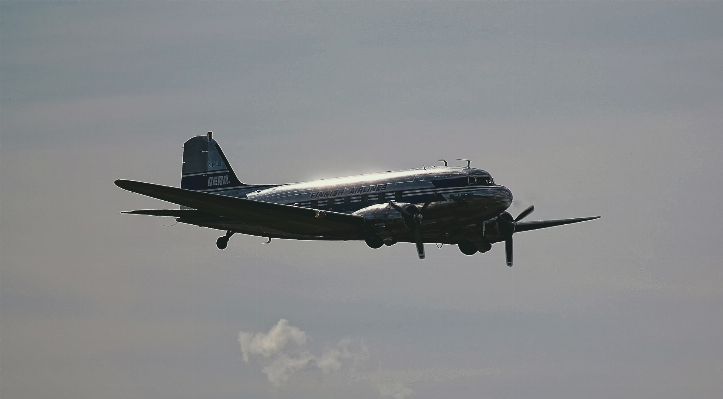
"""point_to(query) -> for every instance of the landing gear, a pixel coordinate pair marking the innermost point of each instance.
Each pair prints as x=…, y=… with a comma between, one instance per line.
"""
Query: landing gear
x=374, y=241
x=467, y=248
x=222, y=242
x=483, y=247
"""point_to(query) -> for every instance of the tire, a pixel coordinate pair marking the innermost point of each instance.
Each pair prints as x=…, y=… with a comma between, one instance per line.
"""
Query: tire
x=467, y=248
x=374, y=242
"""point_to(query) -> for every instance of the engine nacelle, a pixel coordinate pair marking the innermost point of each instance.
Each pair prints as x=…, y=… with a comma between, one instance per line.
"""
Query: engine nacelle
x=387, y=222
x=380, y=212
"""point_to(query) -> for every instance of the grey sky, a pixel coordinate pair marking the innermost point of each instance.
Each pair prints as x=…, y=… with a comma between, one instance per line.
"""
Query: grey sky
x=602, y=108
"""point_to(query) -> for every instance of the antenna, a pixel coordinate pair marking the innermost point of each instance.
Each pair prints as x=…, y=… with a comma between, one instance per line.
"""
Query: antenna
x=443, y=160
x=463, y=159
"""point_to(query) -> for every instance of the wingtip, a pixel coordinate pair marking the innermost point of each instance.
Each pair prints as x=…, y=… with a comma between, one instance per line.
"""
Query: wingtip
x=127, y=184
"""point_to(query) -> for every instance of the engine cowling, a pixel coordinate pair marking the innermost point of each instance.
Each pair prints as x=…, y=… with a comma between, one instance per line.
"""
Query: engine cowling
x=379, y=212
x=385, y=221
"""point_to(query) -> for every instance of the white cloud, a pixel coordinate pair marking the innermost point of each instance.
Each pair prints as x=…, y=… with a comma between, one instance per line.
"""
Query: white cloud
x=272, y=342
x=330, y=360
x=287, y=361
x=281, y=360
x=283, y=366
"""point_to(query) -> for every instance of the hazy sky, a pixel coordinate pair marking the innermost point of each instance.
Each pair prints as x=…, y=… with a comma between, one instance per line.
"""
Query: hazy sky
x=580, y=108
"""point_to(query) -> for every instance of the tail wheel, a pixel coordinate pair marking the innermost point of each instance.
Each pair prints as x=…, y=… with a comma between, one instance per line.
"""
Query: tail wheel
x=222, y=241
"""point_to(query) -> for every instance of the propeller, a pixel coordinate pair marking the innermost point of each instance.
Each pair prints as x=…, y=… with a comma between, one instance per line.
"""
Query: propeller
x=413, y=219
x=506, y=225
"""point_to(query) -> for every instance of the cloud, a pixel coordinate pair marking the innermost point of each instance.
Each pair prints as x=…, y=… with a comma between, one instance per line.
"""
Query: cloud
x=283, y=352
x=283, y=366
x=286, y=359
x=272, y=342
x=397, y=390
x=330, y=360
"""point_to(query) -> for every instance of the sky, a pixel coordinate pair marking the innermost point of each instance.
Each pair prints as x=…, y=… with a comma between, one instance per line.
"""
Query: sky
x=580, y=108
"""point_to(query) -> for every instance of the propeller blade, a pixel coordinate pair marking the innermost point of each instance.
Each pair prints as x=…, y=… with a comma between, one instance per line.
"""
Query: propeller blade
x=426, y=204
x=508, y=251
x=525, y=213
x=413, y=221
x=418, y=241
x=400, y=209
x=506, y=225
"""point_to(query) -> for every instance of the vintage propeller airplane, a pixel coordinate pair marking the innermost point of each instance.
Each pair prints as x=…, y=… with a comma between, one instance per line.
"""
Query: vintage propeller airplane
x=449, y=205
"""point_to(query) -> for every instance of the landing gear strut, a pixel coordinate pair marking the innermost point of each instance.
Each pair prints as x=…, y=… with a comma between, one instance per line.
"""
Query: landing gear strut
x=222, y=241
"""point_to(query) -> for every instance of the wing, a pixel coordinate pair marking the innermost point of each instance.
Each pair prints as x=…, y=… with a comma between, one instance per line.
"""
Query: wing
x=179, y=213
x=285, y=218
x=541, y=224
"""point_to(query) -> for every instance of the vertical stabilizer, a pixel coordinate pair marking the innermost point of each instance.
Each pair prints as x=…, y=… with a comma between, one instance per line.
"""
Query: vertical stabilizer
x=205, y=167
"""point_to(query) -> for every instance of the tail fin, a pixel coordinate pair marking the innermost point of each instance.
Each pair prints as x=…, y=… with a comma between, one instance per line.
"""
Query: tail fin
x=205, y=167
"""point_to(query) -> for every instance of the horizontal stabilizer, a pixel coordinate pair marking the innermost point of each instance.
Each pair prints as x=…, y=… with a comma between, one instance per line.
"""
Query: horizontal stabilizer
x=542, y=224
x=286, y=218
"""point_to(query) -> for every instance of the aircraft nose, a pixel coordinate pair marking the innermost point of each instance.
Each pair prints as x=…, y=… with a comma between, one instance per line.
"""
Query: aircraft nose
x=504, y=196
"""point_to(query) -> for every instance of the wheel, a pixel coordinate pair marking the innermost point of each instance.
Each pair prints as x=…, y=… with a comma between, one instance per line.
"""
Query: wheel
x=374, y=242
x=222, y=242
x=483, y=247
x=467, y=248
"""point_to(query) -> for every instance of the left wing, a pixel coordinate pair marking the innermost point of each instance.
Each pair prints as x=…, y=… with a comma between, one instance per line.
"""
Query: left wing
x=285, y=218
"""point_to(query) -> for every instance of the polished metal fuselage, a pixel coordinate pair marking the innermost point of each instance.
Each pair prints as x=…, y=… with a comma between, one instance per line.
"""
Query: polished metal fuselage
x=459, y=201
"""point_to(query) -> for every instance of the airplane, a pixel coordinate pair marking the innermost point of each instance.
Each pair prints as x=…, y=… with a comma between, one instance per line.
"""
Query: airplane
x=460, y=206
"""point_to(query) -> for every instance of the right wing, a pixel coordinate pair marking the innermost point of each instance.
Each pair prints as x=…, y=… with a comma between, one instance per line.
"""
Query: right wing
x=285, y=218
x=541, y=224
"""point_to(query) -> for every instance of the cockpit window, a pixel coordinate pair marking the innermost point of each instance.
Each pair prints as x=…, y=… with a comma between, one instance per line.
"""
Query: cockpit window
x=481, y=181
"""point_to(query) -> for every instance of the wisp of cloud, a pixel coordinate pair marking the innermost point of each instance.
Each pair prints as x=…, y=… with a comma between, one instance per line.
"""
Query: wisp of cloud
x=284, y=346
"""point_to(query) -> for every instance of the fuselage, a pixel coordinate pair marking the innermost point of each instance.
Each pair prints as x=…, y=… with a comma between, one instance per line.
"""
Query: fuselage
x=352, y=193
x=457, y=196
